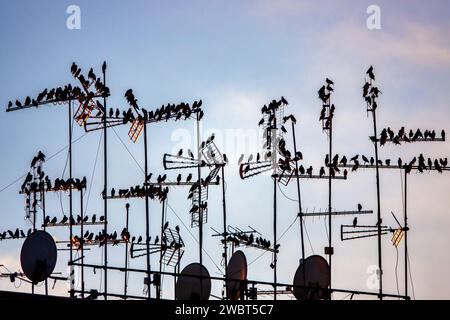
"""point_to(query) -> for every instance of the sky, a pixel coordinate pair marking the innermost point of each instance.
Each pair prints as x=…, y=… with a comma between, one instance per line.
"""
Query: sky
x=237, y=56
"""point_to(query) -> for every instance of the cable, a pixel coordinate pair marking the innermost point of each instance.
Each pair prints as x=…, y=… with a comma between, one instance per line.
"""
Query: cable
x=93, y=172
x=67, y=158
x=48, y=159
x=396, y=270
x=282, y=235
x=307, y=236
x=126, y=148
x=411, y=279
x=285, y=194
x=170, y=207
x=326, y=228
x=137, y=163
x=304, y=224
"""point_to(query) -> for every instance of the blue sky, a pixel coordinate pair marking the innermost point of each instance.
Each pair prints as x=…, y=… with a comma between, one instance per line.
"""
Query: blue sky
x=237, y=56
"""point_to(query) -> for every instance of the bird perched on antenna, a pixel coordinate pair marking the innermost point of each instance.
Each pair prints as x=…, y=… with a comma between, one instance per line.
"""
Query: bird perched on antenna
x=370, y=73
x=323, y=95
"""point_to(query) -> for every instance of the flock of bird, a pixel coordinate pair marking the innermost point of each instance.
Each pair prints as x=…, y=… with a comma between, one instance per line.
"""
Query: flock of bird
x=48, y=221
x=249, y=240
x=45, y=184
x=388, y=134
x=268, y=113
x=370, y=92
x=91, y=79
x=89, y=238
x=165, y=112
x=327, y=113
x=153, y=191
x=17, y=234
x=419, y=162
x=68, y=92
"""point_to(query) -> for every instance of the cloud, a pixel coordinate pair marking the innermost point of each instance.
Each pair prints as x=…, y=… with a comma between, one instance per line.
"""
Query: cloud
x=285, y=7
x=420, y=44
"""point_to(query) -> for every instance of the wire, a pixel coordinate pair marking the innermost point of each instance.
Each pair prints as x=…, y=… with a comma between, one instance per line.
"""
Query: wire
x=184, y=225
x=304, y=224
x=326, y=228
x=307, y=237
x=126, y=148
x=282, y=235
x=411, y=279
x=93, y=172
x=48, y=159
x=285, y=194
x=67, y=158
x=396, y=270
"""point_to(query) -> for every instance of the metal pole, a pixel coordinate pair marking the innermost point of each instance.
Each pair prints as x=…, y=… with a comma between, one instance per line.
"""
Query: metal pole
x=34, y=228
x=200, y=210
x=105, y=187
x=147, y=214
x=406, y=234
x=275, y=236
x=330, y=155
x=72, y=294
x=378, y=204
x=127, y=206
x=82, y=243
x=43, y=219
x=300, y=211
x=160, y=252
x=225, y=248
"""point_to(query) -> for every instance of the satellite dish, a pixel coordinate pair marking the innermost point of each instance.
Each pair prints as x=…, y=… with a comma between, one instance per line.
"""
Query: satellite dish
x=312, y=272
x=38, y=256
x=193, y=288
x=237, y=269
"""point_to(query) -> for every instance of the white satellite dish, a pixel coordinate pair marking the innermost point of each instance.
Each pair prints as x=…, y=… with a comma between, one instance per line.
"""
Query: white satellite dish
x=38, y=256
x=193, y=288
x=237, y=269
x=313, y=272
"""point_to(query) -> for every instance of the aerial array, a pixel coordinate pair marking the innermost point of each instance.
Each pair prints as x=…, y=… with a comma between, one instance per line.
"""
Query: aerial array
x=196, y=172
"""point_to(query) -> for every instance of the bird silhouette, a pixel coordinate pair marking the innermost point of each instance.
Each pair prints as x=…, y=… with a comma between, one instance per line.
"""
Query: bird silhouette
x=322, y=172
x=323, y=95
x=356, y=165
x=355, y=222
x=370, y=73
x=241, y=158
x=309, y=171
x=365, y=159
x=359, y=207
x=189, y=177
